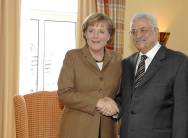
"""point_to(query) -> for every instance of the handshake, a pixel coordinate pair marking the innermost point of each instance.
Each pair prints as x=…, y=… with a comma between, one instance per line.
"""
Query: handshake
x=107, y=106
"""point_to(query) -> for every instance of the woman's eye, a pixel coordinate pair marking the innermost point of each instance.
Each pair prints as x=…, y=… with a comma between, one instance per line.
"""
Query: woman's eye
x=90, y=30
x=101, y=31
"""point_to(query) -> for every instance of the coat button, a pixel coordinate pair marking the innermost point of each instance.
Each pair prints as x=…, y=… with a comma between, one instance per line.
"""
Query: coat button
x=101, y=78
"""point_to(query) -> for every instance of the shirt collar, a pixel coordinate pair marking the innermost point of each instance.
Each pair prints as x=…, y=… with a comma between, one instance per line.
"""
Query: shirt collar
x=152, y=52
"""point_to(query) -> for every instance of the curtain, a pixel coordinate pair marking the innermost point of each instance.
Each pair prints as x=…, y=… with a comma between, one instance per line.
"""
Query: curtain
x=85, y=8
x=116, y=10
x=9, y=64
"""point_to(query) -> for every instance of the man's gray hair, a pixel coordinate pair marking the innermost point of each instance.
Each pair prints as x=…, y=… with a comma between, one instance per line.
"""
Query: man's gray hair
x=145, y=15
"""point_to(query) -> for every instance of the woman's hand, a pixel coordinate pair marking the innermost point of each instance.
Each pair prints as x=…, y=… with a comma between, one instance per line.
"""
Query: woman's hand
x=107, y=106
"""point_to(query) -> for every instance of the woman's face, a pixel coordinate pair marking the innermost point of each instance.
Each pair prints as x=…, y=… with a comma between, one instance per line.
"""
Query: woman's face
x=97, y=36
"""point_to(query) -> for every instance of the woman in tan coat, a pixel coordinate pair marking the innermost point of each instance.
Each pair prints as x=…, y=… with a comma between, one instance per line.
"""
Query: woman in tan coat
x=89, y=76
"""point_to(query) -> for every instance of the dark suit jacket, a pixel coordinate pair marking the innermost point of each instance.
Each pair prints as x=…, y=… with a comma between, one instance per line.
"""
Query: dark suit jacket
x=158, y=108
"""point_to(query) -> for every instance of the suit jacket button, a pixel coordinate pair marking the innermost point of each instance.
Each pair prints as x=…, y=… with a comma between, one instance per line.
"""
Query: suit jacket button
x=132, y=112
x=135, y=96
x=132, y=130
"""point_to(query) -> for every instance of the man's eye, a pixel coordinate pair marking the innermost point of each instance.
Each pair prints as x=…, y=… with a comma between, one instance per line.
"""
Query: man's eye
x=143, y=30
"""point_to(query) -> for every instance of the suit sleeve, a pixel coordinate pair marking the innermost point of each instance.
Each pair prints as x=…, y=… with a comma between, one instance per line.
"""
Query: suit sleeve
x=84, y=102
x=180, y=117
x=119, y=96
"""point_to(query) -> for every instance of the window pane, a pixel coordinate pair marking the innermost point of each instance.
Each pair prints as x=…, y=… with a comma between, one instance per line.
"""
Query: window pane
x=59, y=37
x=29, y=60
x=47, y=32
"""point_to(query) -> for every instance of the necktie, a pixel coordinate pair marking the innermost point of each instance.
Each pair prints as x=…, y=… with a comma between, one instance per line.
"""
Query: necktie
x=140, y=71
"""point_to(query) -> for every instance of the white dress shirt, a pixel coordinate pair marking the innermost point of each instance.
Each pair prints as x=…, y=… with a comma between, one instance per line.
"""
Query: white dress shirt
x=150, y=55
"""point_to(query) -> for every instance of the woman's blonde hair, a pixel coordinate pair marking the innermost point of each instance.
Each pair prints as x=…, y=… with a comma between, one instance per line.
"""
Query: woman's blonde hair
x=99, y=17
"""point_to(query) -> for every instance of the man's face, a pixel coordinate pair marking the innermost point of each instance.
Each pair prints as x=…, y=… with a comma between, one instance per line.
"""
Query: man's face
x=143, y=34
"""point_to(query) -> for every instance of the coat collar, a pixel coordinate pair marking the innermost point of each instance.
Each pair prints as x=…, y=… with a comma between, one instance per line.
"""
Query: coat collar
x=87, y=55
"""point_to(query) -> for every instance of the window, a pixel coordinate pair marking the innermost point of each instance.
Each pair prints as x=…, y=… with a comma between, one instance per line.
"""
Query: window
x=44, y=41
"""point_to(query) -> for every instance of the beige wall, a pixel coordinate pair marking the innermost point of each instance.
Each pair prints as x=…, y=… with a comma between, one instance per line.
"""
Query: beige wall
x=172, y=16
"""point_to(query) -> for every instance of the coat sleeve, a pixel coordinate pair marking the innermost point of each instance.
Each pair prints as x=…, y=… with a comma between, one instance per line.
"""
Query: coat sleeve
x=180, y=116
x=71, y=98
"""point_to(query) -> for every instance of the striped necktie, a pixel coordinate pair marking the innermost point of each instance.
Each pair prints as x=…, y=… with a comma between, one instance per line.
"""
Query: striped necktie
x=140, y=71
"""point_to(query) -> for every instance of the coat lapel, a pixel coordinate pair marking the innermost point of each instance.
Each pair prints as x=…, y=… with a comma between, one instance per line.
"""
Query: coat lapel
x=154, y=65
x=107, y=58
x=87, y=58
x=91, y=62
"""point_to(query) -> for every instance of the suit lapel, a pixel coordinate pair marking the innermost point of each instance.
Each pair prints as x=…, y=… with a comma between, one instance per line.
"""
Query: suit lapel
x=132, y=69
x=154, y=65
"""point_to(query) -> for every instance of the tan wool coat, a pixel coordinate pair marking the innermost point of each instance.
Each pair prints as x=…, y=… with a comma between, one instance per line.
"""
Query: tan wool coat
x=81, y=83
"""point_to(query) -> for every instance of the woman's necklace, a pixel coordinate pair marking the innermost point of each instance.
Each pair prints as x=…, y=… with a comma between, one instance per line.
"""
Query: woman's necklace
x=97, y=56
x=100, y=60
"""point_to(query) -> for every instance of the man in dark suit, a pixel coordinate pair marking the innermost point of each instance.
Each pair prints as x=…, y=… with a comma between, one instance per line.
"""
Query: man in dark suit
x=153, y=102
